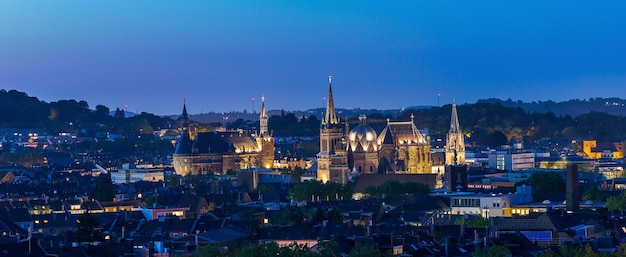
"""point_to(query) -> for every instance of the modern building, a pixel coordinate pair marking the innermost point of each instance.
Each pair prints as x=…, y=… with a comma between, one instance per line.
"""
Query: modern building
x=490, y=205
x=511, y=160
x=220, y=151
x=595, y=150
x=130, y=174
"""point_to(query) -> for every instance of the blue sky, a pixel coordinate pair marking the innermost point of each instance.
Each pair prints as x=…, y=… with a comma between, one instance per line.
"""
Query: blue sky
x=383, y=54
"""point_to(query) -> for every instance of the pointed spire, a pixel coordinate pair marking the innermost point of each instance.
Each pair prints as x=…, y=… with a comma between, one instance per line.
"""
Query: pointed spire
x=263, y=112
x=331, y=115
x=263, y=129
x=454, y=119
x=185, y=116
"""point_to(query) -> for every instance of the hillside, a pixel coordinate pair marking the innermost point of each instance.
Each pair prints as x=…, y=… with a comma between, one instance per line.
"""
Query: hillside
x=481, y=121
x=19, y=110
x=575, y=107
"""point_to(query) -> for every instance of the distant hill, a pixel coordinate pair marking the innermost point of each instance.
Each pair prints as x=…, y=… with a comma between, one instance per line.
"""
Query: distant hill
x=575, y=107
x=225, y=117
x=19, y=110
x=603, y=119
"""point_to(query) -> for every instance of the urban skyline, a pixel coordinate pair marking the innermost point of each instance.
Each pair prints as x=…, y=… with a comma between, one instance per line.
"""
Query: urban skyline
x=219, y=55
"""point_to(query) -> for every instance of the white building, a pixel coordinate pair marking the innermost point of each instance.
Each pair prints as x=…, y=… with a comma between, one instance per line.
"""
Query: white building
x=131, y=175
x=489, y=205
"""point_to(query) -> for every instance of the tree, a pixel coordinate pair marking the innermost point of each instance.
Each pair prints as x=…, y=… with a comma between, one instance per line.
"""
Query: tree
x=88, y=229
x=394, y=187
x=616, y=203
x=290, y=215
x=119, y=114
x=212, y=251
x=496, y=138
x=594, y=194
x=103, y=189
x=335, y=215
x=364, y=250
x=545, y=182
x=492, y=251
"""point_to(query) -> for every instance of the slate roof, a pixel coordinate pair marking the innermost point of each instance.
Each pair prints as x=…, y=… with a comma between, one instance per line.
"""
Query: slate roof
x=400, y=132
x=16, y=215
x=541, y=223
x=91, y=206
x=222, y=142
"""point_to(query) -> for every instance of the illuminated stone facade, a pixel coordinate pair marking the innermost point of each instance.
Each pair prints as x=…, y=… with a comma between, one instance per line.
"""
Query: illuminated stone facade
x=400, y=148
x=403, y=149
x=455, y=143
x=220, y=151
x=332, y=160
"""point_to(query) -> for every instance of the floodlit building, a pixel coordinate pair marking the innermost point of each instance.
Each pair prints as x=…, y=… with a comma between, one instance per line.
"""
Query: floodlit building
x=220, y=151
x=399, y=148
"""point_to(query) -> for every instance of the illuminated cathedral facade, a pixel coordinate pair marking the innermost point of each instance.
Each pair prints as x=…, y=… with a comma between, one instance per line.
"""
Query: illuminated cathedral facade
x=399, y=148
x=220, y=151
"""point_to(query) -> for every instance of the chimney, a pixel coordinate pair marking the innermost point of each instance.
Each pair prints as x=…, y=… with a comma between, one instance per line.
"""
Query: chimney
x=571, y=188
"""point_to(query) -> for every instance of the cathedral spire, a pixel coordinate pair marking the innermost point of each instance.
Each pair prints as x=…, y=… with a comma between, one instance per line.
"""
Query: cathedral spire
x=331, y=115
x=263, y=118
x=185, y=116
x=454, y=120
x=455, y=142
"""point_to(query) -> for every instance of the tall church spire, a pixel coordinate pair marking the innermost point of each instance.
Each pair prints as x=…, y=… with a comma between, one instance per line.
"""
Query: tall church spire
x=331, y=115
x=455, y=142
x=454, y=120
x=263, y=118
x=185, y=116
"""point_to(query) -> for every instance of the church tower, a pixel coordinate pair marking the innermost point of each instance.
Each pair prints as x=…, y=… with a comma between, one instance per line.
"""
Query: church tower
x=265, y=139
x=332, y=160
x=182, y=157
x=455, y=143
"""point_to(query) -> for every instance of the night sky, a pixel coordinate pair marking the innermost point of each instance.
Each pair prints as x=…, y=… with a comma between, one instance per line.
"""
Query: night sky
x=383, y=54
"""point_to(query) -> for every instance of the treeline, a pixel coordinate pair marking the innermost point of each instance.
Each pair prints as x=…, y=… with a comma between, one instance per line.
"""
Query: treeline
x=489, y=124
x=481, y=121
x=18, y=110
x=574, y=107
x=394, y=187
x=485, y=123
x=322, y=249
x=287, y=124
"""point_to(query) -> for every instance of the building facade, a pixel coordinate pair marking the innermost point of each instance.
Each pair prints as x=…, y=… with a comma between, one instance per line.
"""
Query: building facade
x=220, y=151
x=332, y=159
x=400, y=147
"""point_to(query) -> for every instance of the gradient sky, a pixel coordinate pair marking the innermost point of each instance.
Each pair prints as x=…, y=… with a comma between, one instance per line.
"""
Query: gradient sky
x=383, y=54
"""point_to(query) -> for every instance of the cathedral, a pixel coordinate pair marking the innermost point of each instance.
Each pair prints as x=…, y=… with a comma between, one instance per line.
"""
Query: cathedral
x=399, y=149
x=220, y=151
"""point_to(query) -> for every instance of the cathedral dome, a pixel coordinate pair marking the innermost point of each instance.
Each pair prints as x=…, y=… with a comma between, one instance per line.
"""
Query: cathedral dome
x=362, y=138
